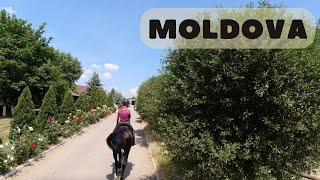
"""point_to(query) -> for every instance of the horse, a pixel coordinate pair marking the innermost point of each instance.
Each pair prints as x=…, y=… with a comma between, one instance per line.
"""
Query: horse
x=120, y=141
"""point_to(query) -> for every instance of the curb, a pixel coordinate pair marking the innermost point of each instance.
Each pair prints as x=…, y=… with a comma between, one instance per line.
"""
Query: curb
x=155, y=167
x=30, y=161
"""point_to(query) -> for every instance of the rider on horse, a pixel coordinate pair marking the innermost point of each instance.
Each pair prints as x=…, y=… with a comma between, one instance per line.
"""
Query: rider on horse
x=124, y=116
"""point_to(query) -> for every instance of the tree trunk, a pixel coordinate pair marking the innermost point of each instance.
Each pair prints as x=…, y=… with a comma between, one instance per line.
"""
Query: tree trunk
x=4, y=110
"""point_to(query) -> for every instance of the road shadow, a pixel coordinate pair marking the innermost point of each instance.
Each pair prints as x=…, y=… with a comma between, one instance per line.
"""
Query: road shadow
x=141, y=138
x=149, y=177
x=127, y=171
x=138, y=120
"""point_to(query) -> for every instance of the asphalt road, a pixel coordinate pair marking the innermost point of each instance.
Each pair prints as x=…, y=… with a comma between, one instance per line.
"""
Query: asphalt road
x=87, y=157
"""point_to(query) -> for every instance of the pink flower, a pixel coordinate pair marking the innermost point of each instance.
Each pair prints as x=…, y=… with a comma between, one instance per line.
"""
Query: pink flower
x=34, y=146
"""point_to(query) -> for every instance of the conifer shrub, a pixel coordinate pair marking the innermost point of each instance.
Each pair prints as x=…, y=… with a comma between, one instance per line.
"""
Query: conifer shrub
x=48, y=109
x=23, y=113
x=66, y=108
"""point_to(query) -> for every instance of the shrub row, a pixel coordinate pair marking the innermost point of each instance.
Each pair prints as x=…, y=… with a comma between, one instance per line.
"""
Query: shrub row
x=31, y=134
x=237, y=114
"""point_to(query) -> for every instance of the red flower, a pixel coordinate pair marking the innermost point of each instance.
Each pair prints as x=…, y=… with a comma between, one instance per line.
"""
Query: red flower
x=34, y=146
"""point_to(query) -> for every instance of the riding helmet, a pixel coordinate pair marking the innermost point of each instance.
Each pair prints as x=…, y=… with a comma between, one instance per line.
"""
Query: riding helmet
x=125, y=102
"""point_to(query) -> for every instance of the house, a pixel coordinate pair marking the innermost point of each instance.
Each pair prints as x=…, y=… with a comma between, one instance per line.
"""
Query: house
x=132, y=100
x=81, y=89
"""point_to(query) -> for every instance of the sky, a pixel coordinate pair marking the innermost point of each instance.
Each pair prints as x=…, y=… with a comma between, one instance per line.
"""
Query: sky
x=105, y=35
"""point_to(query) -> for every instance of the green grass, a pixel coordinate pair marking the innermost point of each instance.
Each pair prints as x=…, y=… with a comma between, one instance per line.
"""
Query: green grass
x=4, y=128
x=4, y=133
x=164, y=166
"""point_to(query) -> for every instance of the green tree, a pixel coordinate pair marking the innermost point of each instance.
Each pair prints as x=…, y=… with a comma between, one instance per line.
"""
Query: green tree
x=23, y=112
x=26, y=59
x=82, y=103
x=48, y=108
x=66, y=107
x=61, y=88
x=151, y=98
x=116, y=96
x=99, y=97
x=94, y=82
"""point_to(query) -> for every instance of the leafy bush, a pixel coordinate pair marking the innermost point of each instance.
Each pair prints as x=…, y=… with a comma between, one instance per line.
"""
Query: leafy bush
x=5, y=160
x=22, y=152
x=68, y=130
x=229, y=114
x=29, y=144
x=106, y=110
x=23, y=112
x=52, y=132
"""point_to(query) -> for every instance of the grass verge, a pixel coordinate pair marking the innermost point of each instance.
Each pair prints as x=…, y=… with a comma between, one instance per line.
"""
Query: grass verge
x=5, y=128
x=165, y=168
x=4, y=132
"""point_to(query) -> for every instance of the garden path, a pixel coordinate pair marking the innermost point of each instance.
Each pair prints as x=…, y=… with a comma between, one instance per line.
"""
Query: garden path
x=87, y=156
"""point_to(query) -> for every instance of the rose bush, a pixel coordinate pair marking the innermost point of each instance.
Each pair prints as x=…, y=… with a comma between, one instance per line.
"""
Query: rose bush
x=6, y=160
x=24, y=146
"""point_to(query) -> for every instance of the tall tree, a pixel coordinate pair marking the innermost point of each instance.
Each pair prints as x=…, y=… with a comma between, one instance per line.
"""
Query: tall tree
x=26, y=59
x=99, y=97
x=94, y=82
x=116, y=96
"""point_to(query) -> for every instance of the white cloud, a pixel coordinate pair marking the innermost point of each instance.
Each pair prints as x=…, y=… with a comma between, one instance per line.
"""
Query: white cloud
x=86, y=74
x=133, y=92
x=9, y=10
x=106, y=76
x=111, y=67
x=95, y=66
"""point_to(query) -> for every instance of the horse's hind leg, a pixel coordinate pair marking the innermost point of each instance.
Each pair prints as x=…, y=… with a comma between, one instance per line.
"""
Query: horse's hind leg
x=125, y=161
x=116, y=162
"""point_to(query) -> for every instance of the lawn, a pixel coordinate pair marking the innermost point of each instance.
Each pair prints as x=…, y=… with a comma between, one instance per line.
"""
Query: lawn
x=4, y=128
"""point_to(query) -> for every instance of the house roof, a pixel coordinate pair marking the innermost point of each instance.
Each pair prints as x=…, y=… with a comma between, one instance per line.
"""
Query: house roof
x=81, y=89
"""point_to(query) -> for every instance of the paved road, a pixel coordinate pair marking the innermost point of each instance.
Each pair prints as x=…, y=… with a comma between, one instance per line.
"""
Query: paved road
x=88, y=157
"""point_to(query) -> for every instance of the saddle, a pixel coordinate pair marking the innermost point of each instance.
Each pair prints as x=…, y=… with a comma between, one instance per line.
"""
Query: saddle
x=123, y=125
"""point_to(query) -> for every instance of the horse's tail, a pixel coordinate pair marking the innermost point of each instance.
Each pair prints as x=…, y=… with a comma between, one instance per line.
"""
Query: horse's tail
x=114, y=141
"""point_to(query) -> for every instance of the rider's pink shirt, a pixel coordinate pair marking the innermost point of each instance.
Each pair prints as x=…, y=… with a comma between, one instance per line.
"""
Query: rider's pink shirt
x=124, y=115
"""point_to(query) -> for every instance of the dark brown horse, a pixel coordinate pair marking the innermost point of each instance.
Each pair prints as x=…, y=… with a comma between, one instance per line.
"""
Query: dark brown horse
x=120, y=141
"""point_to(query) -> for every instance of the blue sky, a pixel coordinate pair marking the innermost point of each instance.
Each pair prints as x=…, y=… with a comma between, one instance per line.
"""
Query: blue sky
x=105, y=35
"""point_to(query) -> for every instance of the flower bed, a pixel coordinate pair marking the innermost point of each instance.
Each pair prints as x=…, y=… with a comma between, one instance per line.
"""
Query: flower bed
x=29, y=143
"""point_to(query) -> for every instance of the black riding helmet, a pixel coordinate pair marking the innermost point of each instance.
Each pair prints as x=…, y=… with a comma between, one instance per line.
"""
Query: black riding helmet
x=125, y=102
